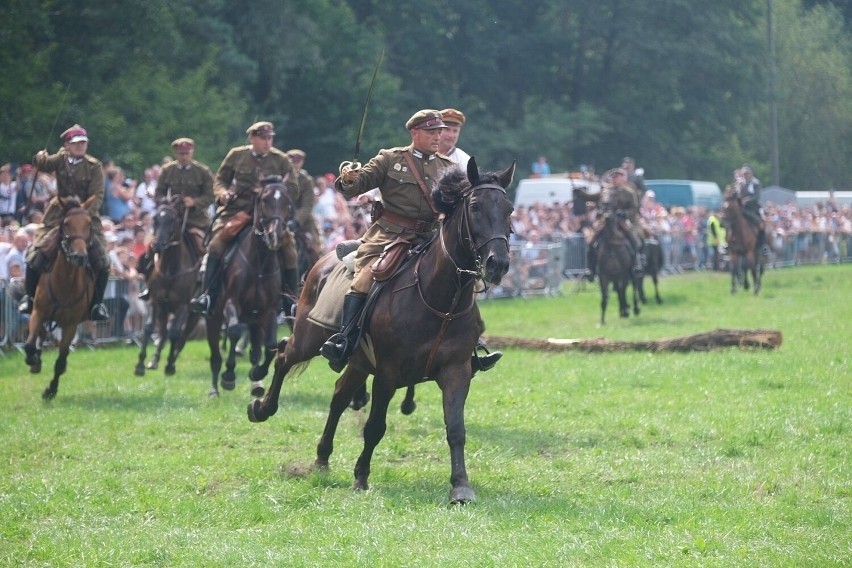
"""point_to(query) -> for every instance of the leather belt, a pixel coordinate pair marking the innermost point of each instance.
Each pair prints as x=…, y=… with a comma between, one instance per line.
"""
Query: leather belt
x=411, y=224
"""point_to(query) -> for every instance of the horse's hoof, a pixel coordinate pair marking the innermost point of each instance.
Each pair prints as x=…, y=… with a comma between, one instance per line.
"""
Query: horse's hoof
x=228, y=385
x=139, y=371
x=360, y=485
x=255, y=412
x=462, y=496
x=35, y=368
x=214, y=393
x=257, y=389
x=48, y=394
x=169, y=370
x=407, y=407
x=152, y=365
x=359, y=403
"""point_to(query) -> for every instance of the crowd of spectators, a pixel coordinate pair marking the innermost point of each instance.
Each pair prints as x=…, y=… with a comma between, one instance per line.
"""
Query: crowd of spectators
x=128, y=226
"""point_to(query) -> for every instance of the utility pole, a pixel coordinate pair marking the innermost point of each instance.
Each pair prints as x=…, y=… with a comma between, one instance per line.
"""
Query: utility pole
x=773, y=99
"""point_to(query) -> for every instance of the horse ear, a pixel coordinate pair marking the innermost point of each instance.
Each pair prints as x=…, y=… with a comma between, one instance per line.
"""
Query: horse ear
x=472, y=172
x=507, y=175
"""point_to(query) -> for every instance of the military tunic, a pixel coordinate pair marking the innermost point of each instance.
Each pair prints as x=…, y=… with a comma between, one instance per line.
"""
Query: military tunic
x=303, y=204
x=81, y=177
x=242, y=170
x=401, y=196
x=193, y=180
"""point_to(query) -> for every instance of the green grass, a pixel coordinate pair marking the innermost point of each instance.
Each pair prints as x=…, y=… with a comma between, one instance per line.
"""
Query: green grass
x=723, y=458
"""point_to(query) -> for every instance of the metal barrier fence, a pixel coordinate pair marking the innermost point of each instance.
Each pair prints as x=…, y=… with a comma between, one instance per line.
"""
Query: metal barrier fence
x=535, y=270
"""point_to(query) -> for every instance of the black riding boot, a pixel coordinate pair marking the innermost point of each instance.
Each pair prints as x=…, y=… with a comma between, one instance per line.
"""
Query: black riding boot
x=340, y=346
x=591, y=263
x=30, y=282
x=639, y=260
x=143, y=269
x=483, y=362
x=99, y=311
x=205, y=302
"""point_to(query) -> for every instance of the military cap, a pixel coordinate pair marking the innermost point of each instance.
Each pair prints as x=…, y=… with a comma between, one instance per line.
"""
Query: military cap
x=453, y=116
x=296, y=153
x=183, y=144
x=426, y=119
x=262, y=128
x=75, y=134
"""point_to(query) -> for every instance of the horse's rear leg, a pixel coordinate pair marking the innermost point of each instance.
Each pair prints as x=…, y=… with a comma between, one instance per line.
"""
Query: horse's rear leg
x=350, y=381
x=213, y=332
x=259, y=410
x=604, y=298
x=147, y=331
x=32, y=348
x=657, y=289
x=360, y=398
x=374, y=430
x=408, y=405
x=176, y=333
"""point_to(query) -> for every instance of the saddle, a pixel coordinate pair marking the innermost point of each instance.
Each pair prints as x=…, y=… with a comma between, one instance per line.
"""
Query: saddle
x=390, y=260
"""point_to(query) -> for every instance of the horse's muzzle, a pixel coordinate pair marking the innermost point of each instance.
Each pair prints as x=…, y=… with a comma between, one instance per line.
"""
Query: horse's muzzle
x=495, y=268
x=78, y=259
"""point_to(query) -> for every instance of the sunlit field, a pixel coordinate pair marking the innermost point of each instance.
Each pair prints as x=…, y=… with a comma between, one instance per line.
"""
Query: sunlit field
x=732, y=457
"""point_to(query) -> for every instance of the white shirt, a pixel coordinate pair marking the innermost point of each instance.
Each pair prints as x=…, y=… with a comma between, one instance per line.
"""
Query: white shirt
x=459, y=157
x=8, y=197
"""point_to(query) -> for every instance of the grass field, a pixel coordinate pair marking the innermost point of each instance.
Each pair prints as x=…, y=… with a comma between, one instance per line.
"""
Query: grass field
x=723, y=458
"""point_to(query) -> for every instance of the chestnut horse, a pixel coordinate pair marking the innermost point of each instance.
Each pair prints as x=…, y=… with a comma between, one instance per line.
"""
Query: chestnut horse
x=64, y=293
x=743, y=251
x=251, y=289
x=171, y=285
x=615, y=266
x=424, y=322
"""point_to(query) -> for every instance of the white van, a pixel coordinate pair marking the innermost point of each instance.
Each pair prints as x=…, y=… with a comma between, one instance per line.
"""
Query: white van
x=551, y=189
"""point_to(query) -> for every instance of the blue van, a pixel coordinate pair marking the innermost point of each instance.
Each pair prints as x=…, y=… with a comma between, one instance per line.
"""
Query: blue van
x=686, y=193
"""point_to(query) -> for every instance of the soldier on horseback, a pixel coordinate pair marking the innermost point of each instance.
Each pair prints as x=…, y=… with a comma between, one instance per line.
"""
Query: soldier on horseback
x=748, y=190
x=193, y=182
x=235, y=182
x=620, y=197
x=77, y=174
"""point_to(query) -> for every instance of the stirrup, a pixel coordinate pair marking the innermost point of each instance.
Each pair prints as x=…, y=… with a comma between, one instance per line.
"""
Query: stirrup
x=99, y=313
x=144, y=295
x=484, y=362
x=200, y=305
x=589, y=275
x=26, y=305
x=335, y=350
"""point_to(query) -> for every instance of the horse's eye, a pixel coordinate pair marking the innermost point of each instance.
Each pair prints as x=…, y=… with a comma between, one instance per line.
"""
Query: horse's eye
x=475, y=206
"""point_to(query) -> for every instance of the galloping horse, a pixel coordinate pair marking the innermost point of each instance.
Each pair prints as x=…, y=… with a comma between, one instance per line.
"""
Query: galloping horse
x=742, y=245
x=424, y=323
x=251, y=289
x=64, y=294
x=653, y=265
x=171, y=285
x=615, y=266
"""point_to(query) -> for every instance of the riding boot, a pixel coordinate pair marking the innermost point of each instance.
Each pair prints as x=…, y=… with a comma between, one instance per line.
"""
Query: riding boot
x=340, y=346
x=289, y=288
x=205, y=302
x=484, y=362
x=591, y=263
x=762, y=247
x=639, y=259
x=30, y=282
x=99, y=311
x=142, y=268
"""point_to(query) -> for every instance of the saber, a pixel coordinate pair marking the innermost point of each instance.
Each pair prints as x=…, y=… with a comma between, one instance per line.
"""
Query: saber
x=49, y=136
x=355, y=164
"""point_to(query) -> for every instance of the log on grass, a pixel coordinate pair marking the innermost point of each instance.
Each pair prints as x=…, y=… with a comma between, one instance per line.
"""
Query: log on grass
x=716, y=339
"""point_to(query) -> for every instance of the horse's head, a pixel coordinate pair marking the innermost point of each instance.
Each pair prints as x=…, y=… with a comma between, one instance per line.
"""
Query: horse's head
x=168, y=223
x=483, y=219
x=731, y=205
x=75, y=231
x=273, y=209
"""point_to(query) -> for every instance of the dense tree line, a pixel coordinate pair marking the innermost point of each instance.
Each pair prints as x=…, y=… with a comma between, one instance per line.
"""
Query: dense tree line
x=682, y=85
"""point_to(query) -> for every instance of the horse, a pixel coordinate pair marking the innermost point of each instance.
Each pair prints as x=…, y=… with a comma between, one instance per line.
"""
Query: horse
x=653, y=265
x=64, y=293
x=171, y=285
x=615, y=266
x=743, y=251
x=423, y=326
x=252, y=283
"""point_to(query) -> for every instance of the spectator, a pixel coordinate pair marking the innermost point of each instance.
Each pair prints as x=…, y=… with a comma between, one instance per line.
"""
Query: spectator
x=8, y=194
x=540, y=167
x=119, y=198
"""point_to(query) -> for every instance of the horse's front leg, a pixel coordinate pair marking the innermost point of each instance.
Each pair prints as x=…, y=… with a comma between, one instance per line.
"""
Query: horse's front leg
x=61, y=361
x=258, y=372
x=147, y=331
x=161, y=322
x=176, y=336
x=346, y=385
x=455, y=385
x=234, y=331
x=623, y=307
x=374, y=429
x=214, y=325
x=604, y=284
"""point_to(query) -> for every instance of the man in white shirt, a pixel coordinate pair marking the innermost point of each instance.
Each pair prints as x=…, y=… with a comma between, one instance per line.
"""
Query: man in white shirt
x=454, y=119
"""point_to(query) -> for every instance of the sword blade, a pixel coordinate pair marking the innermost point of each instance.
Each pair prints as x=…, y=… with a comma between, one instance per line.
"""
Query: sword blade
x=366, y=107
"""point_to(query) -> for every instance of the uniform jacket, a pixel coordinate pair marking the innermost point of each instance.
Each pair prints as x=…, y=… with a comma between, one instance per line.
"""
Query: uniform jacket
x=194, y=180
x=83, y=177
x=303, y=201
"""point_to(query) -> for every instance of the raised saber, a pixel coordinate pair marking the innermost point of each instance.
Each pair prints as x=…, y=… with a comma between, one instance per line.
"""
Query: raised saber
x=49, y=136
x=355, y=164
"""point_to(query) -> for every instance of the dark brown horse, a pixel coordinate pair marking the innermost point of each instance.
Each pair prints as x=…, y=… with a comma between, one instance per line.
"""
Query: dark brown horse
x=652, y=267
x=424, y=323
x=742, y=241
x=251, y=289
x=615, y=266
x=171, y=285
x=64, y=293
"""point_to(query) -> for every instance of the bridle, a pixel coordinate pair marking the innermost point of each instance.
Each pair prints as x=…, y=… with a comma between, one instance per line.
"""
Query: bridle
x=466, y=235
x=266, y=227
x=67, y=239
x=175, y=235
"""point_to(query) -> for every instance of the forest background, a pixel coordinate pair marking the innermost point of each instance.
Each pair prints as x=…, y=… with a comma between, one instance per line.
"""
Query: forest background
x=684, y=86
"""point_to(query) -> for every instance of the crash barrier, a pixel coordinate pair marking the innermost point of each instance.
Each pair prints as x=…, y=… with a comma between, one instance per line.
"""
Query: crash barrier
x=536, y=269
x=121, y=306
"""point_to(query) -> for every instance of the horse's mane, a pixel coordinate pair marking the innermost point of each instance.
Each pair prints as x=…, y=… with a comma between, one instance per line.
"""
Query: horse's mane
x=454, y=187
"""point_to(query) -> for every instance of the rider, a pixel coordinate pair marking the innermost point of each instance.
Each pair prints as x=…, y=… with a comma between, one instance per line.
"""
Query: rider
x=77, y=174
x=620, y=196
x=748, y=189
x=191, y=180
x=408, y=213
x=238, y=176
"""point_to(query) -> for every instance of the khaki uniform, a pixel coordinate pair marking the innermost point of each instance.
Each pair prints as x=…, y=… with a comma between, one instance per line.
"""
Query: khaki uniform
x=401, y=196
x=303, y=205
x=193, y=180
x=83, y=178
x=244, y=170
